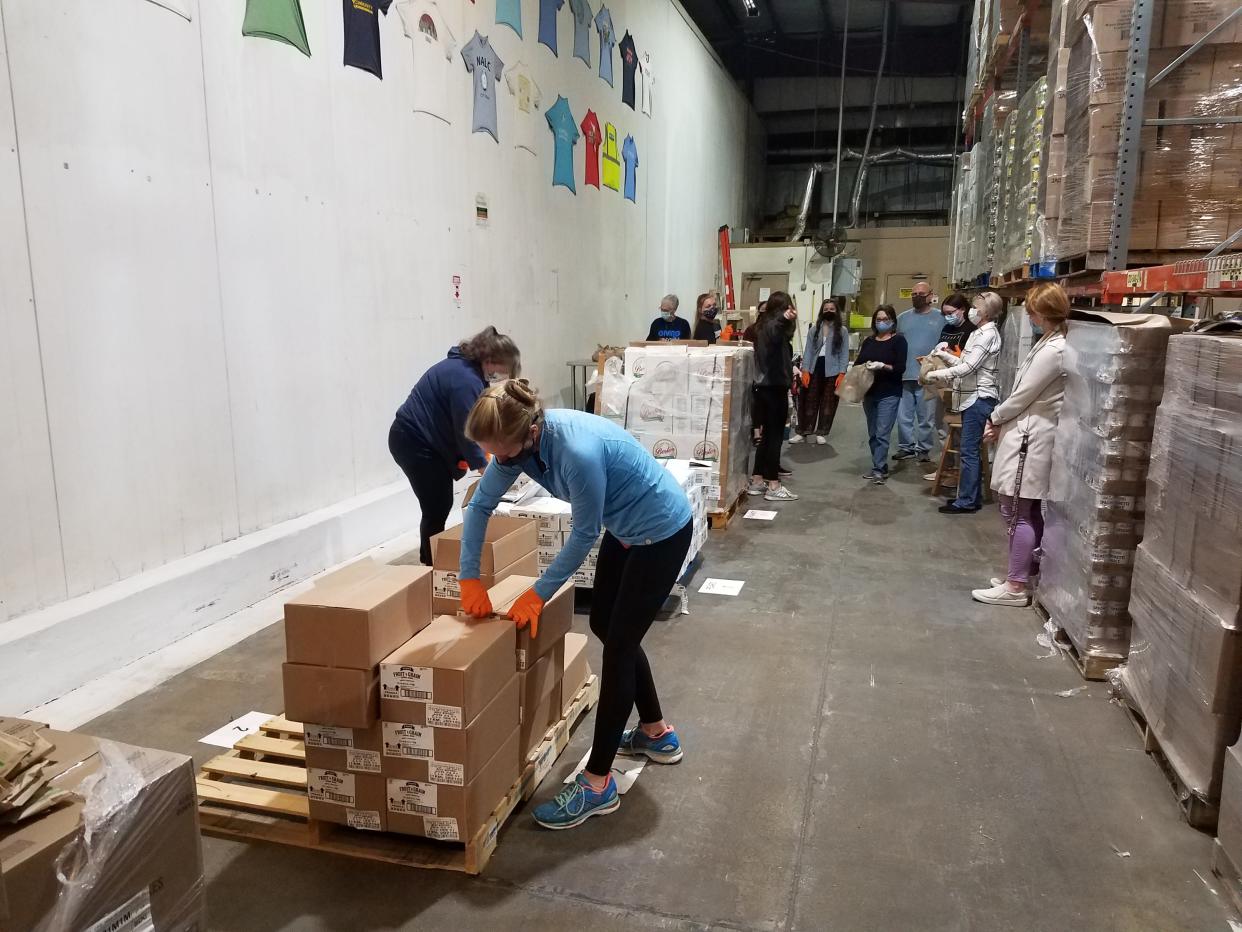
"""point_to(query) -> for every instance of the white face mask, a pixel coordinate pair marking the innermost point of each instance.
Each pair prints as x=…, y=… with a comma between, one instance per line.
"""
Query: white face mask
x=495, y=378
x=975, y=316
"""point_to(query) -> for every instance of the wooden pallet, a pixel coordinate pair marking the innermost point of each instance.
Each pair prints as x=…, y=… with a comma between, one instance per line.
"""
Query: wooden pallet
x=1096, y=261
x=1200, y=813
x=256, y=792
x=1092, y=667
x=1224, y=868
x=719, y=520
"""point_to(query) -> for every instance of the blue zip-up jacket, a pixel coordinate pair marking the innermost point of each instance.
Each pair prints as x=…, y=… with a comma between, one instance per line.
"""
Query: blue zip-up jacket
x=607, y=477
x=437, y=409
x=835, y=362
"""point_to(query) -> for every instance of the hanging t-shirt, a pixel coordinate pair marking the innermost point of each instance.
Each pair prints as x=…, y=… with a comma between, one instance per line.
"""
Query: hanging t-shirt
x=629, y=152
x=629, y=63
x=647, y=78
x=607, y=41
x=565, y=132
x=593, y=137
x=527, y=99
x=611, y=159
x=509, y=13
x=362, y=42
x=434, y=45
x=547, y=22
x=483, y=62
x=280, y=20
x=583, y=15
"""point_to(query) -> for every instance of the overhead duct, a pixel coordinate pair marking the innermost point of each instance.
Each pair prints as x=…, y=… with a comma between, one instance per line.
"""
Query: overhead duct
x=875, y=103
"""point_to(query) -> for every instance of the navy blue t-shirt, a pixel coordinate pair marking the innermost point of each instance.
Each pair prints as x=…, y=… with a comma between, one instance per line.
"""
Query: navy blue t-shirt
x=629, y=63
x=362, y=40
x=676, y=329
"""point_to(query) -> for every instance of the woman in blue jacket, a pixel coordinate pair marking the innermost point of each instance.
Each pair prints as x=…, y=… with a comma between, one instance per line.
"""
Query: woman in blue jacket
x=827, y=355
x=428, y=437
x=612, y=484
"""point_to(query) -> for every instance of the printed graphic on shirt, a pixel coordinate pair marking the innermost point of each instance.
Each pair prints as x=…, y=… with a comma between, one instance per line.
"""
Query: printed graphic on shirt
x=434, y=45
x=607, y=41
x=483, y=62
x=583, y=15
x=279, y=20
x=611, y=159
x=565, y=131
x=647, y=79
x=180, y=7
x=629, y=64
x=362, y=42
x=509, y=13
x=629, y=152
x=547, y=22
x=591, y=133
x=527, y=99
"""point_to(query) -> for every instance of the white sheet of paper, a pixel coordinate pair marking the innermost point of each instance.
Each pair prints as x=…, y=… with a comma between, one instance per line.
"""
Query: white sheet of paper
x=756, y=515
x=765, y=293
x=722, y=586
x=234, y=731
x=625, y=771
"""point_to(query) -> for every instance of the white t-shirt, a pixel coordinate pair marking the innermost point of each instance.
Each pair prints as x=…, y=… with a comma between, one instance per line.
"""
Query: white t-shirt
x=434, y=44
x=646, y=80
x=527, y=106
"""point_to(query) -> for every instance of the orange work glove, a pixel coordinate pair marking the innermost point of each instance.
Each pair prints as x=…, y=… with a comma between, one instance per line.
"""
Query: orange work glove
x=527, y=609
x=474, y=598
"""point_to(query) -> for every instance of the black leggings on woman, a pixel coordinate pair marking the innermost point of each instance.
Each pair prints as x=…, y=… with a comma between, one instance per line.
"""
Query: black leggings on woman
x=630, y=586
x=429, y=478
x=771, y=407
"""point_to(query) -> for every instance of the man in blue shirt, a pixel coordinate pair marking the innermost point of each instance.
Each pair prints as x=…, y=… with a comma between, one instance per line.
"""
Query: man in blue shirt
x=916, y=417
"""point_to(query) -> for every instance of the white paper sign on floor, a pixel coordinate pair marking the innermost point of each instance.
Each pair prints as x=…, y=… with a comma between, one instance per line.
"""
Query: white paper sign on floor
x=625, y=771
x=722, y=586
x=756, y=515
x=234, y=731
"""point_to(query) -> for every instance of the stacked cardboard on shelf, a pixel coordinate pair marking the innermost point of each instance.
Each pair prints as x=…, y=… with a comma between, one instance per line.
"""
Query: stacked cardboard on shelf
x=1094, y=518
x=1185, y=668
x=1021, y=225
x=1054, y=125
x=510, y=547
x=1229, y=827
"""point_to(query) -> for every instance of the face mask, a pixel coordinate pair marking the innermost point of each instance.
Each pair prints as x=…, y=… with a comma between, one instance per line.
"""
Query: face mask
x=495, y=378
x=921, y=300
x=884, y=326
x=709, y=313
x=524, y=453
x=952, y=318
x=975, y=316
x=1037, y=331
x=668, y=315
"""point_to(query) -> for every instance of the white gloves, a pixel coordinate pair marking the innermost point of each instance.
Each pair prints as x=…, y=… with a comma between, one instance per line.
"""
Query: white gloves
x=874, y=366
x=941, y=346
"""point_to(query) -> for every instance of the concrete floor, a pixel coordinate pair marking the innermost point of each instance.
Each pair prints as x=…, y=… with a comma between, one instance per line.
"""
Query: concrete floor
x=866, y=749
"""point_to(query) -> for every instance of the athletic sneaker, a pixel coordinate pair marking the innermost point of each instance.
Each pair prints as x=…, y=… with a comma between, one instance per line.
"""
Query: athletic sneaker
x=665, y=749
x=576, y=803
x=1001, y=595
x=784, y=471
x=821, y=439
x=873, y=474
x=779, y=494
x=756, y=488
x=925, y=458
x=903, y=455
x=796, y=438
x=930, y=477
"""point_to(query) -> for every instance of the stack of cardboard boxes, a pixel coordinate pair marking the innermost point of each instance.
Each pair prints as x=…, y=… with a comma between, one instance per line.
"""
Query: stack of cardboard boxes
x=1021, y=224
x=1185, y=668
x=1054, y=126
x=510, y=549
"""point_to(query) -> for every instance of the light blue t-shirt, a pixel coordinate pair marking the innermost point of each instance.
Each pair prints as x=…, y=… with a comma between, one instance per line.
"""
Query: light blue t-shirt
x=609, y=480
x=483, y=62
x=922, y=333
x=565, y=133
x=582, y=29
x=509, y=13
x=607, y=42
x=547, y=22
x=629, y=152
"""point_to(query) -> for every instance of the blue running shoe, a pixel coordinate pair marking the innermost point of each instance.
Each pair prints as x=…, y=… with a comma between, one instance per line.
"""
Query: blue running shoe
x=577, y=803
x=665, y=749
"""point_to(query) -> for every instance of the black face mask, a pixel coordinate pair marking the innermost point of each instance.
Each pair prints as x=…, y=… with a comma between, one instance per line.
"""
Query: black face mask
x=523, y=455
x=709, y=313
x=921, y=300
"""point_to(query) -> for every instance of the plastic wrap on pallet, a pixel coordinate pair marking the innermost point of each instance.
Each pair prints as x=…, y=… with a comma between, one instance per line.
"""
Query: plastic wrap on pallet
x=1021, y=225
x=1229, y=826
x=1007, y=195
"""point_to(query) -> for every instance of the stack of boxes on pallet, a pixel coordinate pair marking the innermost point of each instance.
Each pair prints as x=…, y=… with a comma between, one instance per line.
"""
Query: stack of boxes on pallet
x=1054, y=127
x=1184, y=673
x=1094, y=517
x=510, y=549
x=1021, y=228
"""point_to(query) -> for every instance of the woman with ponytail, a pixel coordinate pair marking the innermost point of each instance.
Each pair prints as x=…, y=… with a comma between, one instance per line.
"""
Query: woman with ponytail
x=614, y=485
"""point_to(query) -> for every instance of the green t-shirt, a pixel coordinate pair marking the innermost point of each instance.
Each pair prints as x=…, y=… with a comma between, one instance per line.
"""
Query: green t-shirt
x=280, y=20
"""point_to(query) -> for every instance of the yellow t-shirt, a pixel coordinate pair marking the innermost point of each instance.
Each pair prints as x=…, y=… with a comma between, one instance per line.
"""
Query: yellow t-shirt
x=611, y=168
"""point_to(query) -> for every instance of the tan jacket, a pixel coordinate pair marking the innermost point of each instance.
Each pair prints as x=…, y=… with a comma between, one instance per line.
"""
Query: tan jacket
x=1031, y=411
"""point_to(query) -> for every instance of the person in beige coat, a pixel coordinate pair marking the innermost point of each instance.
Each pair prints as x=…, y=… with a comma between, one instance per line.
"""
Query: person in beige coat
x=1023, y=427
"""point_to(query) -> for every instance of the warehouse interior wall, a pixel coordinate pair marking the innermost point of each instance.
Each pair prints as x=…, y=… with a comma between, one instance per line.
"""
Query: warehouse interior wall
x=224, y=264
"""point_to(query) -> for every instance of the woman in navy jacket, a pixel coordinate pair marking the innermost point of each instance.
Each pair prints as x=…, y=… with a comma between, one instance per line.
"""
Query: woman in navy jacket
x=428, y=437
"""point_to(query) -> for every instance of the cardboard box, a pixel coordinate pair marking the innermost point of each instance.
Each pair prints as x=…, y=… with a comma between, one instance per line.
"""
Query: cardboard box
x=356, y=750
x=447, y=674
x=505, y=542
x=451, y=756
x=538, y=691
x=152, y=863
x=338, y=696
x=453, y=813
x=554, y=622
x=577, y=669
x=356, y=622
x=447, y=600
x=545, y=713
x=353, y=799
x=1229, y=827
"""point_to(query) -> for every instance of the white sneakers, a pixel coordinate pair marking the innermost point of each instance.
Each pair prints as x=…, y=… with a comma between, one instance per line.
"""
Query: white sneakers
x=796, y=438
x=1001, y=594
x=821, y=439
x=779, y=494
x=756, y=488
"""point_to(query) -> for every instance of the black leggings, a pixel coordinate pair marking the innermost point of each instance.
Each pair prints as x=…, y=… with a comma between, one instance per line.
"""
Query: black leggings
x=429, y=478
x=630, y=586
x=771, y=406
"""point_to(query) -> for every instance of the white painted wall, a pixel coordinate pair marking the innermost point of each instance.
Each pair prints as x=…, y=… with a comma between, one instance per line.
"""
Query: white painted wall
x=223, y=265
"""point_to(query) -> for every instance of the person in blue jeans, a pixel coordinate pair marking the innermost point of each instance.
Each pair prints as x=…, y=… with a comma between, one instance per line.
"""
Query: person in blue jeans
x=884, y=353
x=975, y=394
x=916, y=419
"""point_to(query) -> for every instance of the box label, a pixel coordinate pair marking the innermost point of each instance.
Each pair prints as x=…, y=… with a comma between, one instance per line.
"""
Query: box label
x=403, y=682
x=444, y=584
x=329, y=736
x=550, y=538
x=446, y=773
x=521, y=658
x=363, y=761
x=444, y=716
x=412, y=742
x=411, y=797
x=331, y=786
x=441, y=829
x=366, y=819
x=134, y=915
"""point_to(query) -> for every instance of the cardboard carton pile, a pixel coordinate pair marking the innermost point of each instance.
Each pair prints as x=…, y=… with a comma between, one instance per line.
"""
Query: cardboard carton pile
x=1185, y=667
x=1021, y=227
x=687, y=402
x=1229, y=827
x=1094, y=518
x=125, y=831
x=509, y=549
x=978, y=211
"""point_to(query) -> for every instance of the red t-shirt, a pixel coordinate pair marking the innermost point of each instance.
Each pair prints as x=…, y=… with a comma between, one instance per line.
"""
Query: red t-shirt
x=594, y=138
